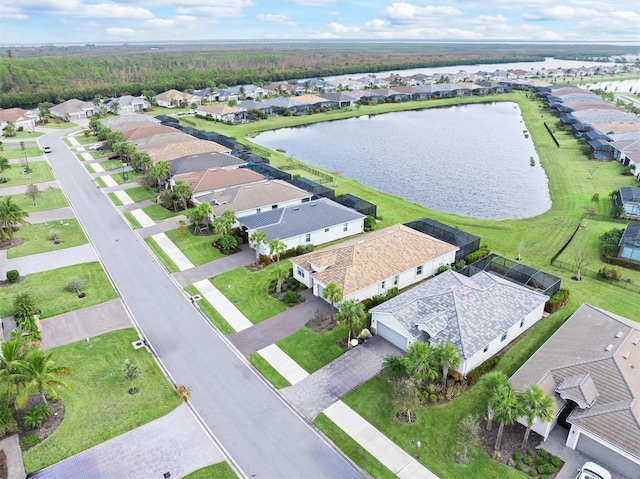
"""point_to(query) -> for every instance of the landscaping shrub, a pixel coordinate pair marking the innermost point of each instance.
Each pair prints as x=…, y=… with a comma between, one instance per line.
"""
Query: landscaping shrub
x=24, y=306
x=520, y=466
x=36, y=415
x=7, y=421
x=478, y=254
x=13, y=275
x=369, y=223
x=556, y=461
x=75, y=285
x=531, y=452
x=517, y=456
x=528, y=461
x=442, y=268
x=542, y=453
x=609, y=242
x=614, y=274
x=557, y=301
x=541, y=461
x=484, y=368
x=533, y=472
x=546, y=468
x=291, y=298
x=228, y=244
x=544, y=476
x=304, y=248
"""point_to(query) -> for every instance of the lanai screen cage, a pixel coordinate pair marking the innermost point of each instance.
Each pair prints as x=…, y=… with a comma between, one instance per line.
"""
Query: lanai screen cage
x=318, y=190
x=517, y=272
x=355, y=203
x=467, y=242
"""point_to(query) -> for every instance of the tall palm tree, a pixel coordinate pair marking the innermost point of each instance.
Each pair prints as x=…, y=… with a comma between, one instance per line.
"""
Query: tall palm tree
x=10, y=214
x=353, y=314
x=490, y=384
x=40, y=374
x=508, y=409
x=230, y=216
x=276, y=248
x=280, y=274
x=258, y=238
x=536, y=405
x=221, y=225
x=420, y=362
x=447, y=356
x=183, y=191
x=4, y=164
x=333, y=293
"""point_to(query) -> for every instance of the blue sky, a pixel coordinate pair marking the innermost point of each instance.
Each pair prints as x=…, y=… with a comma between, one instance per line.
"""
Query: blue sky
x=60, y=21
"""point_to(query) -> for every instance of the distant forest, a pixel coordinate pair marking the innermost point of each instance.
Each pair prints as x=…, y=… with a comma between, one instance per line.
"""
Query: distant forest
x=33, y=75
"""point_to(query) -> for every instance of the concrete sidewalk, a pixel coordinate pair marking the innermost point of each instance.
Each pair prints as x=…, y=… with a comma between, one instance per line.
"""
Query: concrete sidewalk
x=37, y=263
x=281, y=362
x=377, y=444
x=142, y=218
x=214, y=268
x=227, y=310
x=175, y=443
x=22, y=189
x=108, y=180
x=96, y=167
x=51, y=215
x=122, y=195
x=13, y=452
x=169, y=247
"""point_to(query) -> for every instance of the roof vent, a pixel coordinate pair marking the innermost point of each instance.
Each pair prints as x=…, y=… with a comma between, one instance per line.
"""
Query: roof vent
x=619, y=334
x=609, y=347
x=466, y=292
x=636, y=341
x=626, y=354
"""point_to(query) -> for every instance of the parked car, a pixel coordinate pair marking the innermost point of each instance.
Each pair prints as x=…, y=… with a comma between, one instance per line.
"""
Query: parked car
x=114, y=157
x=591, y=470
x=95, y=147
x=46, y=149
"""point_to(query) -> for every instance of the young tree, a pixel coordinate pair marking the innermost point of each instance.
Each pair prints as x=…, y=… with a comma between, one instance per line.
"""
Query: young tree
x=276, y=248
x=257, y=239
x=34, y=193
x=406, y=398
x=469, y=436
x=183, y=191
x=353, y=314
x=182, y=230
x=508, y=409
x=40, y=374
x=130, y=373
x=447, y=356
x=10, y=214
x=490, y=384
x=580, y=260
x=420, y=362
x=536, y=405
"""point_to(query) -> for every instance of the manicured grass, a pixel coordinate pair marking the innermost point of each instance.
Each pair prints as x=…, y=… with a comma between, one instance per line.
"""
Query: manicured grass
x=49, y=294
x=99, y=406
x=131, y=177
x=26, y=134
x=97, y=154
x=112, y=196
x=248, y=291
x=85, y=140
x=352, y=449
x=159, y=213
x=162, y=256
x=50, y=199
x=40, y=172
x=37, y=238
x=210, y=312
x=62, y=125
x=140, y=193
x=111, y=165
x=313, y=350
x=100, y=182
x=222, y=470
x=197, y=248
x=13, y=153
x=134, y=222
x=268, y=371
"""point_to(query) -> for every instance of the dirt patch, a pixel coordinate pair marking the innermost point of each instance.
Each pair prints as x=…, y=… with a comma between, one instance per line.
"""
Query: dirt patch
x=5, y=282
x=322, y=322
x=8, y=244
x=254, y=268
x=48, y=425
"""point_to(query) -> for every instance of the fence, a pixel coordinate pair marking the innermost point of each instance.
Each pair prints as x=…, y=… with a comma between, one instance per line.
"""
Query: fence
x=260, y=151
x=624, y=283
x=323, y=177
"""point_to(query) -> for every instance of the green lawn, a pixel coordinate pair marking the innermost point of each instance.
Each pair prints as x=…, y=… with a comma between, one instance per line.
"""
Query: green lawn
x=99, y=406
x=101, y=182
x=14, y=153
x=50, y=199
x=134, y=222
x=40, y=172
x=210, y=312
x=248, y=291
x=37, y=238
x=111, y=165
x=112, y=196
x=159, y=213
x=161, y=255
x=197, y=248
x=131, y=177
x=222, y=470
x=24, y=134
x=313, y=350
x=61, y=125
x=85, y=140
x=50, y=296
x=274, y=377
x=140, y=193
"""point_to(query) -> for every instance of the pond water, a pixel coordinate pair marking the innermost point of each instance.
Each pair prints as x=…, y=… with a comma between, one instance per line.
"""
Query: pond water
x=471, y=160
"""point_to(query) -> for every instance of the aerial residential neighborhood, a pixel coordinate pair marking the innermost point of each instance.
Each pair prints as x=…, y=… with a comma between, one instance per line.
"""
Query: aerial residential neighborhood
x=178, y=299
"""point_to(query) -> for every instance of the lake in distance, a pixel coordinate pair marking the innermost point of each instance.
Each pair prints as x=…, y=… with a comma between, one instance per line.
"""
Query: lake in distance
x=469, y=160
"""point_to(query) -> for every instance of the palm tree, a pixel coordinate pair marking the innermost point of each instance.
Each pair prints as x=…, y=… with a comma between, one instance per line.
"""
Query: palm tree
x=536, y=405
x=182, y=191
x=447, y=356
x=420, y=362
x=258, y=238
x=242, y=94
x=230, y=216
x=40, y=374
x=221, y=225
x=276, y=248
x=508, y=409
x=353, y=314
x=333, y=293
x=198, y=214
x=14, y=353
x=491, y=383
x=393, y=368
x=4, y=164
x=10, y=214
x=280, y=273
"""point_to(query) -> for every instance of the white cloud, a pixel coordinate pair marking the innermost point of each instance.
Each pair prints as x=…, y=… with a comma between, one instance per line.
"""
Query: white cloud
x=409, y=13
x=122, y=32
x=216, y=8
x=13, y=13
x=114, y=10
x=161, y=22
x=272, y=17
x=314, y=3
x=561, y=13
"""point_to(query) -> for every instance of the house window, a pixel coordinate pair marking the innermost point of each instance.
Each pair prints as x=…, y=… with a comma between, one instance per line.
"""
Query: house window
x=345, y=227
x=300, y=271
x=308, y=238
x=274, y=207
x=306, y=200
x=486, y=348
x=504, y=336
x=383, y=284
x=396, y=280
x=258, y=210
x=522, y=322
x=326, y=230
x=419, y=271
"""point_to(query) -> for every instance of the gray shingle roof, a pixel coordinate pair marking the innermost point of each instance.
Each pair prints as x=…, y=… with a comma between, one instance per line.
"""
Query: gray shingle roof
x=202, y=161
x=300, y=219
x=468, y=312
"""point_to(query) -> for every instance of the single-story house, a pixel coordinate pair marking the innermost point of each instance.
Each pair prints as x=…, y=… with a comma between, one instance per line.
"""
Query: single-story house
x=315, y=222
x=340, y=100
x=126, y=104
x=202, y=161
x=240, y=92
x=629, y=246
x=467, y=242
x=254, y=198
x=213, y=179
x=260, y=106
x=629, y=199
x=74, y=109
x=20, y=118
x=591, y=368
x=176, y=99
x=292, y=104
x=478, y=315
x=393, y=257
x=222, y=112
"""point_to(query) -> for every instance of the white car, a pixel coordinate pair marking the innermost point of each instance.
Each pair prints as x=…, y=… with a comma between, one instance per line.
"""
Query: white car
x=46, y=149
x=591, y=470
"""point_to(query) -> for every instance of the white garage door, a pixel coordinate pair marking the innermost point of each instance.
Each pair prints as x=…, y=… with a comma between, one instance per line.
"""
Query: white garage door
x=606, y=457
x=392, y=336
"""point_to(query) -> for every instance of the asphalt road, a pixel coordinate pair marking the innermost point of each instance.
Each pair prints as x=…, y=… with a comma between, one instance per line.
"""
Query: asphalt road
x=265, y=438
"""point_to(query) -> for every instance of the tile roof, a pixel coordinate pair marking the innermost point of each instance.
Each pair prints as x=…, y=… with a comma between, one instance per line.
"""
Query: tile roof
x=606, y=347
x=172, y=151
x=299, y=219
x=219, y=109
x=468, y=312
x=202, y=161
x=217, y=178
x=139, y=131
x=72, y=106
x=379, y=255
x=17, y=114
